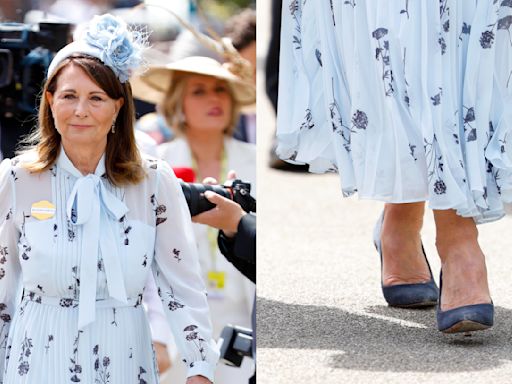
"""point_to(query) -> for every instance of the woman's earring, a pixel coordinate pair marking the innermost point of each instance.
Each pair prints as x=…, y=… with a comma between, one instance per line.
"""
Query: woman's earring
x=181, y=120
x=113, y=127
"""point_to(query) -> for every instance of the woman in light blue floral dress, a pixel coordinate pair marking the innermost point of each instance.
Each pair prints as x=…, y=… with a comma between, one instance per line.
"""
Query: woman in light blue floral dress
x=407, y=100
x=83, y=221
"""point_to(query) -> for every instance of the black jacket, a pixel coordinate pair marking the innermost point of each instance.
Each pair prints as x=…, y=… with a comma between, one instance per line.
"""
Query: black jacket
x=241, y=250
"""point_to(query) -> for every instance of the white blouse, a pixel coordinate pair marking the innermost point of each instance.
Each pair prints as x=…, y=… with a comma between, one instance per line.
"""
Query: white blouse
x=82, y=266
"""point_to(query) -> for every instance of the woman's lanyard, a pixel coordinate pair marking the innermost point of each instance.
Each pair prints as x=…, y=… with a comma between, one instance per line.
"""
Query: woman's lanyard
x=212, y=232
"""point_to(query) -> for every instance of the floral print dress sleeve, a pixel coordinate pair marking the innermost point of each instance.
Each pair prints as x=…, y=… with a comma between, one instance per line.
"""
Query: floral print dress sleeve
x=9, y=265
x=177, y=275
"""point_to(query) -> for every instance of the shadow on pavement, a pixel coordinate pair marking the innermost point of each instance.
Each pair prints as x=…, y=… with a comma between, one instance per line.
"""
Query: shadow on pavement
x=374, y=340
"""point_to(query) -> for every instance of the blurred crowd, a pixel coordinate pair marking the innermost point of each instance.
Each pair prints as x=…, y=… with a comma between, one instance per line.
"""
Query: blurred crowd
x=196, y=110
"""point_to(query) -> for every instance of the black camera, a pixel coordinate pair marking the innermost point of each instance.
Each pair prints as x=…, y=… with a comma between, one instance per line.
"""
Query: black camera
x=239, y=192
x=25, y=54
x=235, y=343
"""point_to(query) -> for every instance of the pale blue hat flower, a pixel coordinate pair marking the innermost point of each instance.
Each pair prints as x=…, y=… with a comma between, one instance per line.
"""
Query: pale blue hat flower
x=109, y=39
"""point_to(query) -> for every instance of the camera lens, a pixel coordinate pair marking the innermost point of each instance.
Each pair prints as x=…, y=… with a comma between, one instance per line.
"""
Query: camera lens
x=196, y=201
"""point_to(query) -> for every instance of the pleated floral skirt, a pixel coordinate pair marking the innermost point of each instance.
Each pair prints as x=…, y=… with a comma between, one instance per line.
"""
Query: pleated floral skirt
x=408, y=100
x=44, y=346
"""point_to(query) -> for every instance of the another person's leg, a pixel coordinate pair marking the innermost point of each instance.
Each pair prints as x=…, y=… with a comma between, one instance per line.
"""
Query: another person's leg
x=462, y=261
x=402, y=256
x=272, y=63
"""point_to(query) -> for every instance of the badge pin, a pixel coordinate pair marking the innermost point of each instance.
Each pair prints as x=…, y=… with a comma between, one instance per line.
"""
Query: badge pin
x=42, y=210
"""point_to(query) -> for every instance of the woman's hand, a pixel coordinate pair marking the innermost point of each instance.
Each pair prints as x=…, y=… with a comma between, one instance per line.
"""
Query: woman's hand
x=162, y=357
x=198, y=380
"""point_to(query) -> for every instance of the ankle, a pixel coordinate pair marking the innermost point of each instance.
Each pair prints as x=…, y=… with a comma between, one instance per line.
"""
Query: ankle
x=472, y=270
x=453, y=231
x=403, y=219
x=460, y=254
x=394, y=243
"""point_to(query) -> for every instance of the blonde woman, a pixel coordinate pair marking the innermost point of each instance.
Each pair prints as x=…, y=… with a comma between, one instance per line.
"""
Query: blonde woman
x=200, y=99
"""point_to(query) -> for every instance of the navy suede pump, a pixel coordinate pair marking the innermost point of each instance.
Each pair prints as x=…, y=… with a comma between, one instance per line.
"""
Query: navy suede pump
x=417, y=295
x=468, y=318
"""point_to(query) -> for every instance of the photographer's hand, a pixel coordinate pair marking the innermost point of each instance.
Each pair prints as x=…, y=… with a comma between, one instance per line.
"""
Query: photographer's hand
x=229, y=179
x=225, y=216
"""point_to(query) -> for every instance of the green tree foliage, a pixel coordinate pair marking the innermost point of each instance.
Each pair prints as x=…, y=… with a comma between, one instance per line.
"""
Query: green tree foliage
x=223, y=9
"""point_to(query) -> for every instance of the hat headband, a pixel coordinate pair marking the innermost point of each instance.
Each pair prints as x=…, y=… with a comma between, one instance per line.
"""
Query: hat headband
x=108, y=39
x=153, y=84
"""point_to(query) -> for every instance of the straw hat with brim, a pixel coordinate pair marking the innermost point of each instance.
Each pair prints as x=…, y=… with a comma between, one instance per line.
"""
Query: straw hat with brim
x=154, y=83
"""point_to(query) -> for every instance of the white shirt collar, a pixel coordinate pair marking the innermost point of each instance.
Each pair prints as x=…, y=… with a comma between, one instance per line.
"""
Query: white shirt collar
x=65, y=163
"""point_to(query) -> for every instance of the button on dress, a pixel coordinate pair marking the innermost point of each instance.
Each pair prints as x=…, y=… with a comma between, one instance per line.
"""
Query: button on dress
x=408, y=100
x=72, y=280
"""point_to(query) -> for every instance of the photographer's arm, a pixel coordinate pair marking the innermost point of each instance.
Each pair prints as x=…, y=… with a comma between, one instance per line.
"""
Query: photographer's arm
x=237, y=238
x=245, y=239
x=241, y=250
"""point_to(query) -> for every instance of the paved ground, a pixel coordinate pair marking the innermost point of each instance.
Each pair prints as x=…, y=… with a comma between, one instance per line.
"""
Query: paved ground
x=321, y=316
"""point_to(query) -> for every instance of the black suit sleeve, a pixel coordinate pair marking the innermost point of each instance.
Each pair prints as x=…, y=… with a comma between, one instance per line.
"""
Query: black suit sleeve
x=241, y=250
x=272, y=64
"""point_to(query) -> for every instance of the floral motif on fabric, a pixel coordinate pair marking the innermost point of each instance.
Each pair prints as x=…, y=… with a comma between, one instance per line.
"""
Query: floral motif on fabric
x=318, y=56
x=435, y=166
x=194, y=337
x=405, y=10
x=29, y=297
x=6, y=319
x=308, y=120
x=436, y=99
x=76, y=282
x=3, y=260
x=173, y=304
x=338, y=126
x=382, y=55
x=176, y=254
x=75, y=368
x=159, y=210
x=26, y=248
x=26, y=351
x=444, y=13
x=469, y=121
x=48, y=342
x=101, y=367
x=332, y=12
x=126, y=230
x=140, y=379
x=360, y=120
x=296, y=12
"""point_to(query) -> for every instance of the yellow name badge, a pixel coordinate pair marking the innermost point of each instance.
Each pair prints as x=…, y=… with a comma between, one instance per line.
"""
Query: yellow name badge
x=216, y=279
x=216, y=284
x=42, y=210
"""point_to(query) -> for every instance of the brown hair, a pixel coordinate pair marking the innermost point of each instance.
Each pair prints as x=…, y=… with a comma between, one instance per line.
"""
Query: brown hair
x=171, y=105
x=241, y=29
x=122, y=158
